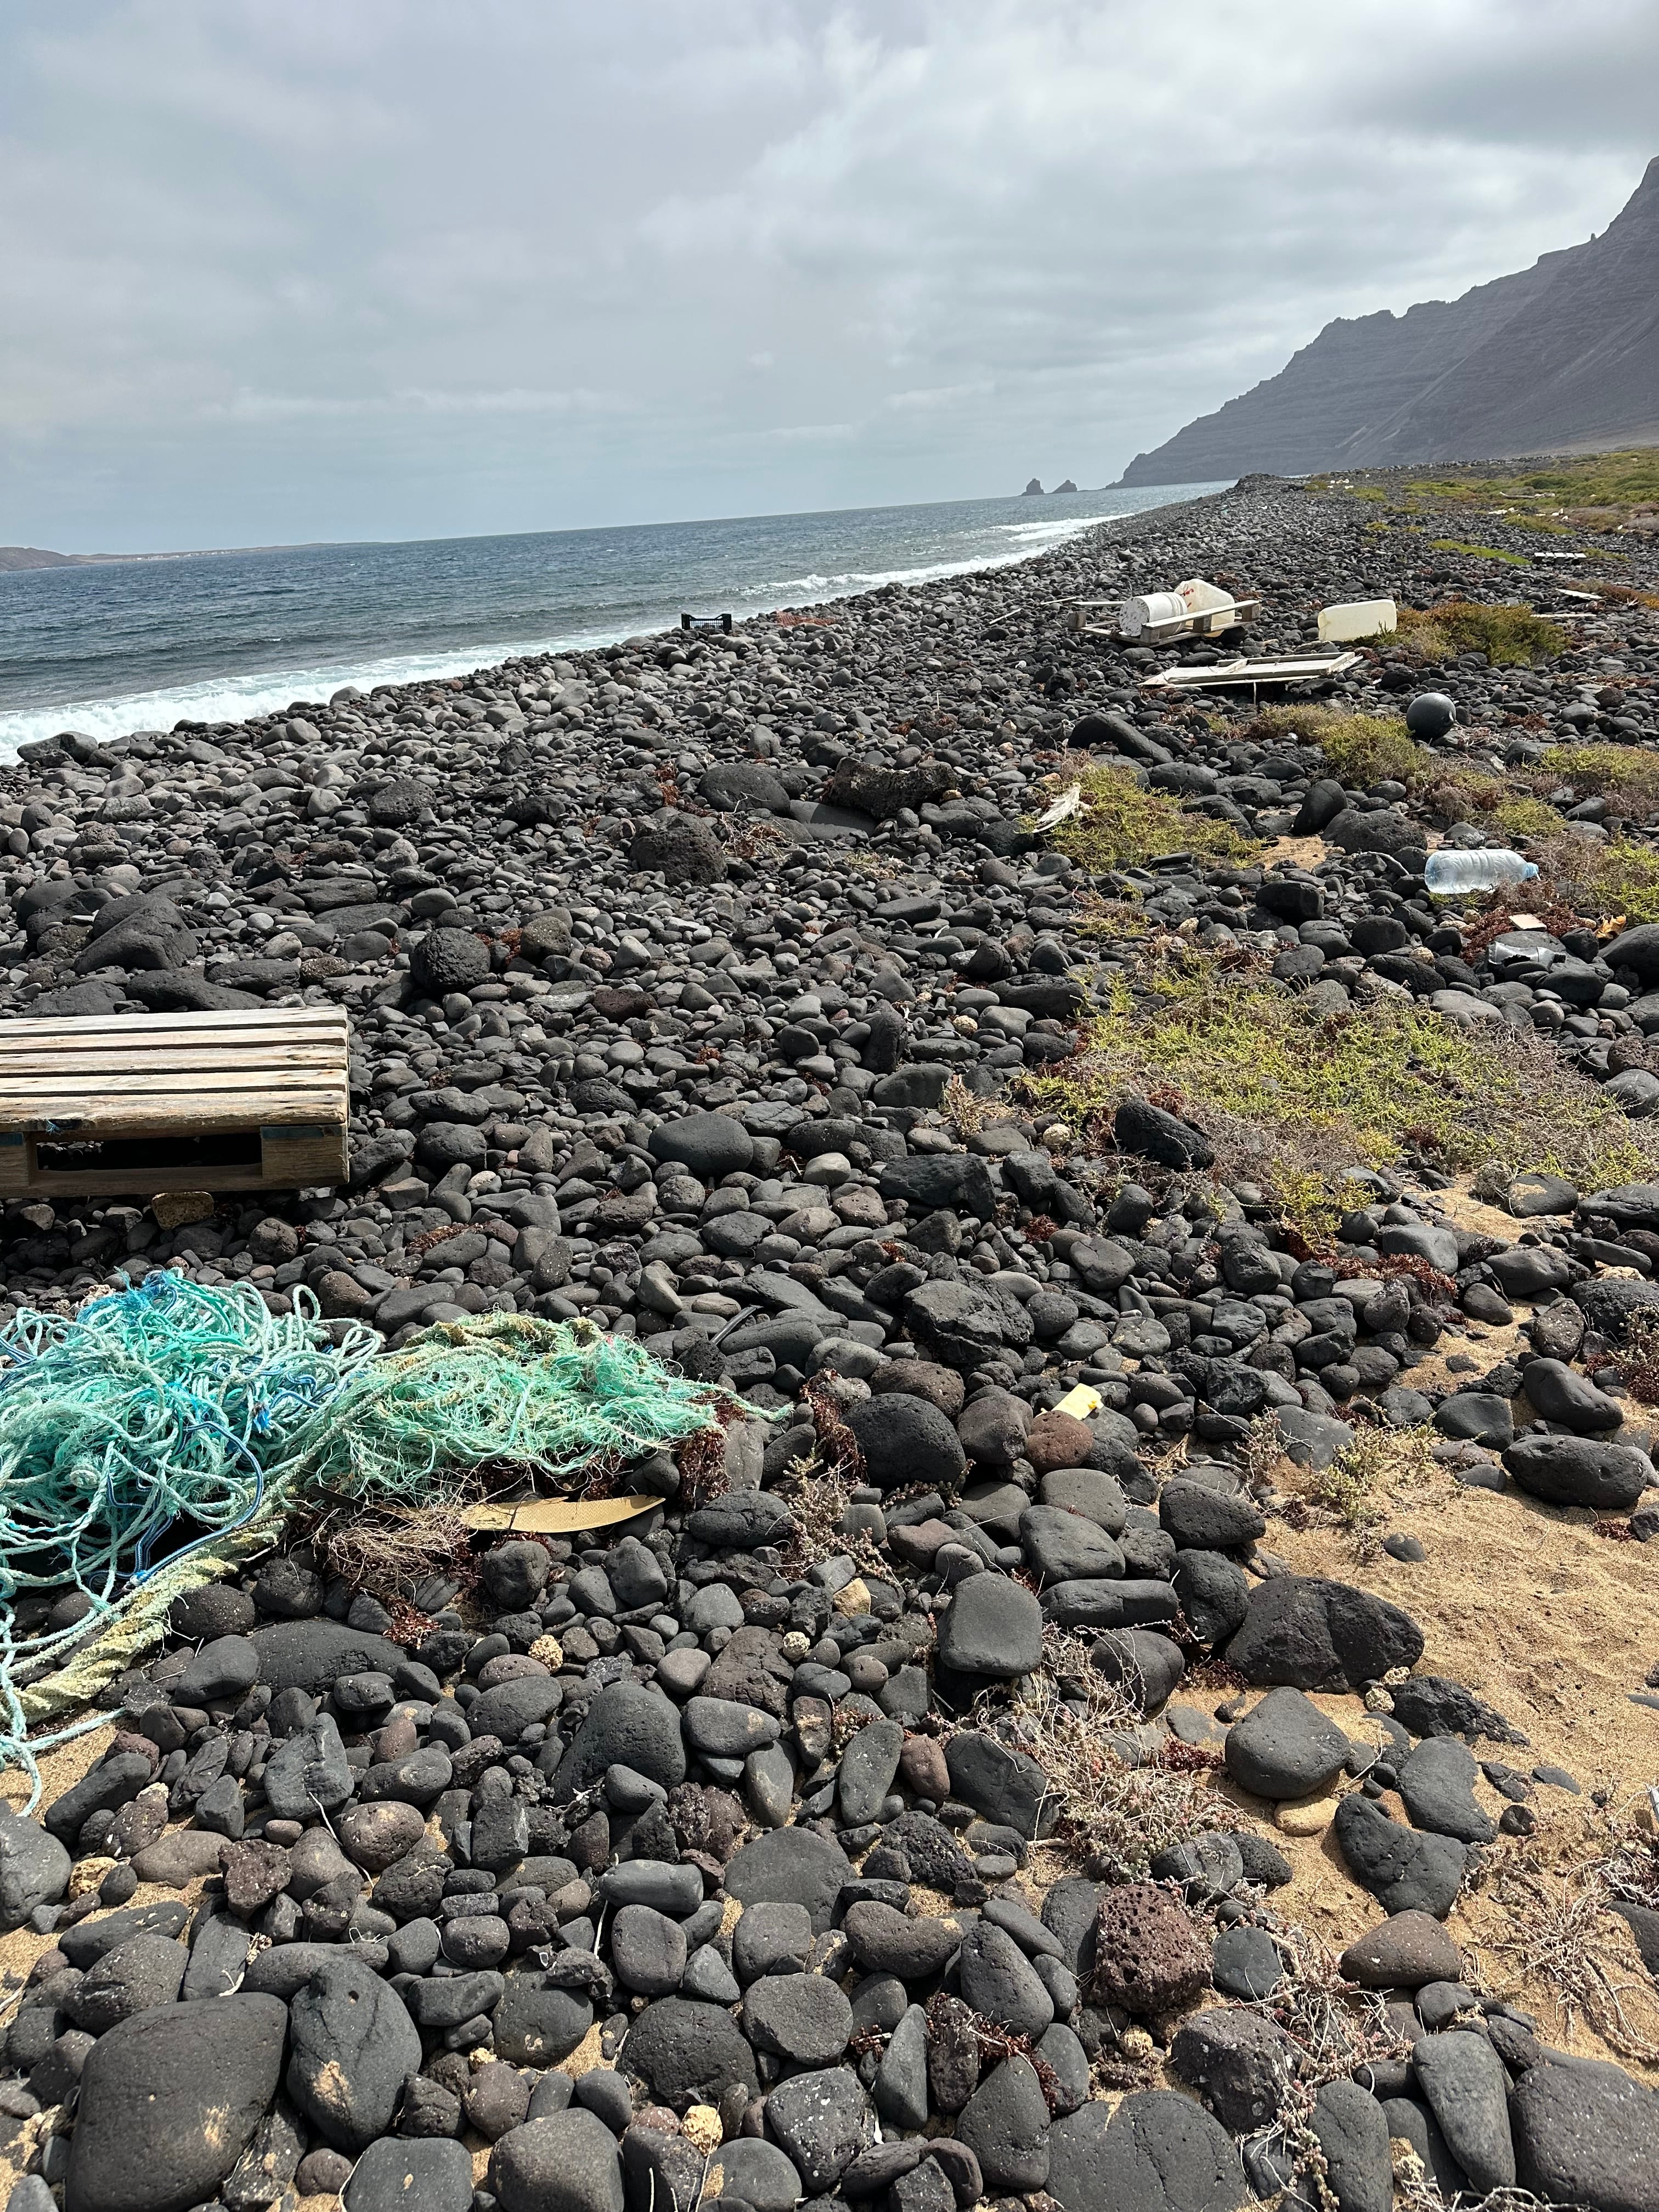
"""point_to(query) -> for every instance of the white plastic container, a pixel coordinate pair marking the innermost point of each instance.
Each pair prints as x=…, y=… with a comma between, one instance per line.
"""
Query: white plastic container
x=1451, y=871
x=1352, y=618
x=1200, y=597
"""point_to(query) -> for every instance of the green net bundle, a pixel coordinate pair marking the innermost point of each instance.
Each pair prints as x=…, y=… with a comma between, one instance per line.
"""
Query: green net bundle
x=176, y=1402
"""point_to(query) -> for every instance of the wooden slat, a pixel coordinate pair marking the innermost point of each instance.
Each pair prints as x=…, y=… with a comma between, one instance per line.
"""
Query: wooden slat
x=109, y=1117
x=183, y=1068
x=228, y=1018
x=101, y=1184
x=280, y=1020
x=1247, y=672
x=165, y=1067
x=115, y=1071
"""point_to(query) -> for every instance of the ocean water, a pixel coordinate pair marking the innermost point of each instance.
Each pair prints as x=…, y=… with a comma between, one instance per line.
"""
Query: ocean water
x=216, y=636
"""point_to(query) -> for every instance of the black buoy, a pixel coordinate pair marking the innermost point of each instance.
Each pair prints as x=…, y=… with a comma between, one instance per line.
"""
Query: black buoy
x=1431, y=714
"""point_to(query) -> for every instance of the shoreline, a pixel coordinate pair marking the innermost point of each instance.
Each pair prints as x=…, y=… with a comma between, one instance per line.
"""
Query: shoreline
x=216, y=697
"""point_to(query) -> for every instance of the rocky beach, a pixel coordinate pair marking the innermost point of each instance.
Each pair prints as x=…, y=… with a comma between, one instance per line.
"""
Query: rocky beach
x=1146, y=1703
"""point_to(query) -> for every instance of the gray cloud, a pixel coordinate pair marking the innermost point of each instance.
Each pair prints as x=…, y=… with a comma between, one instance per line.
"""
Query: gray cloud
x=403, y=269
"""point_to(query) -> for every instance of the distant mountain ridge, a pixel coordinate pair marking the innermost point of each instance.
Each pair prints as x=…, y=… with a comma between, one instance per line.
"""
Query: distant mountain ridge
x=36, y=556
x=13, y=559
x=1563, y=354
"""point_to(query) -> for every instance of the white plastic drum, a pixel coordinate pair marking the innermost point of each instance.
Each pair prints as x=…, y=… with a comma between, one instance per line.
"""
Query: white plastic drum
x=1155, y=607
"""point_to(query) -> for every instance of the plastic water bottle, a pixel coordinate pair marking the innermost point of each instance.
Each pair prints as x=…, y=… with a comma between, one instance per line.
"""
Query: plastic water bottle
x=1450, y=872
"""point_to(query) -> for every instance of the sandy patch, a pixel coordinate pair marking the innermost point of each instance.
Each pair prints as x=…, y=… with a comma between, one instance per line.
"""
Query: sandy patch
x=1295, y=853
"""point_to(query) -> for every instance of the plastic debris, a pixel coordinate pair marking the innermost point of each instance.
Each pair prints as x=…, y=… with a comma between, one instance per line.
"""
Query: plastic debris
x=1450, y=871
x=1351, y=619
x=1068, y=803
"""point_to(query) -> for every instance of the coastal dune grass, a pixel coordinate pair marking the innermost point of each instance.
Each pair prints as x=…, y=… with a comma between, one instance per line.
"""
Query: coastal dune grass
x=1492, y=802
x=1362, y=750
x=1480, y=552
x=1602, y=881
x=1295, y=1100
x=1608, y=487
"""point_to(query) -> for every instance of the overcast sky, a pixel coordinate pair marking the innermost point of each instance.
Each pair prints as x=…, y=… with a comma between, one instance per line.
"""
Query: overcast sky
x=286, y=269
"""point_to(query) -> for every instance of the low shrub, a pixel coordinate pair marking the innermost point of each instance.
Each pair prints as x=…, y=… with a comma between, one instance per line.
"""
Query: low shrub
x=1362, y=750
x=1602, y=881
x=1119, y=825
x=1492, y=803
x=1510, y=636
x=1480, y=552
x=1625, y=775
x=1296, y=1101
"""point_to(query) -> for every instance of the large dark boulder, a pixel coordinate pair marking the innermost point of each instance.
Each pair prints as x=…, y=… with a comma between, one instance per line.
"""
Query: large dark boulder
x=1584, y=2133
x=682, y=849
x=1239, y=2064
x=35, y=1868
x=964, y=1325
x=1140, y=1128
x=928, y=1181
x=169, y=2099
x=1159, y=2152
x=1007, y=1786
x=1637, y=949
x=402, y=798
x=626, y=1725
x=1319, y=1635
x=905, y=1440
x=870, y=788
x=353, y=2047
x=1579, y=1471
x=311, y=1654
x=446, y=960
x=790, y=1865
x=709, y=1145
x=566, y=2162
x=689, y=2053
x=1405, y=1871
x=731, y=784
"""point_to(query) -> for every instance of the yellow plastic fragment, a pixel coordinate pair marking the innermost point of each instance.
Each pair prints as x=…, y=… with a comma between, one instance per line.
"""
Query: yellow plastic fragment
x=1079, y=1402
x=556, y=1516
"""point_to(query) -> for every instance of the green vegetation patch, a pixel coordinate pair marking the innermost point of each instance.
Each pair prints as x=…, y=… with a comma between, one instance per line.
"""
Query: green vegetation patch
x=1119, y=826
x=1624, y=774
x=1602, y=882
x=1363, y=749
x=1481, y=552
x=1509, y=636
x=1458, y=794
x=1295, y=1100
x=1365, y=1484
x=1601, y=489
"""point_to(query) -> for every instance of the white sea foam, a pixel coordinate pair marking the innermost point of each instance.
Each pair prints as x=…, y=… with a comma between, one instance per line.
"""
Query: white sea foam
x=262, y=691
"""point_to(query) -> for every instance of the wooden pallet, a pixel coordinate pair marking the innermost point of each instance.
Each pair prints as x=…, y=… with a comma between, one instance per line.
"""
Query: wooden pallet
x=138, y=1104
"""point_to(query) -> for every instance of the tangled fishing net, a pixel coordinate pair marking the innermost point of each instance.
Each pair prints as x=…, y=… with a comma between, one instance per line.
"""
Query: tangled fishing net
x=177, y=1403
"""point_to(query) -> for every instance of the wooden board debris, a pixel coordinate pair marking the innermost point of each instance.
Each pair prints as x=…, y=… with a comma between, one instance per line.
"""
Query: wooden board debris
x=143, y=1104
